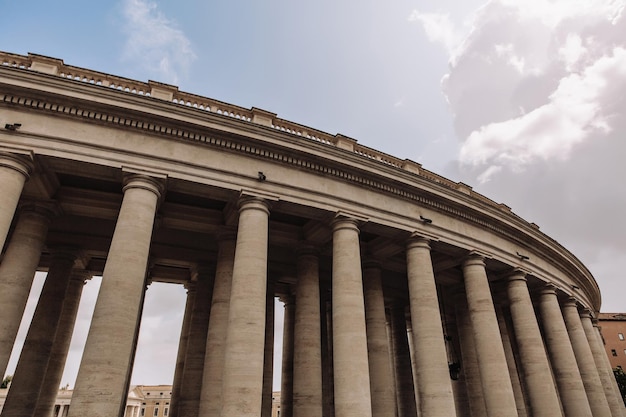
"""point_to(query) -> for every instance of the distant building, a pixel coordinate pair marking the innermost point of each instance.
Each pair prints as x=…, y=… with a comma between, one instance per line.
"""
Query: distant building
x=613, y=329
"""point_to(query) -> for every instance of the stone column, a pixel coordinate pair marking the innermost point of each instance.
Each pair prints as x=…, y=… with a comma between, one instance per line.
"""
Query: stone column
x=106, y=365
x=191, y=387
x=14, y=171
x=381, y=377
x=405, y=391
x=182, y=349
x=22, y=397
x=243, y=361
x=494, y=373
x=328, y=387
x=564, y=367
x=351, y=369
x=469, y=361
x=268, y=361
x=617, y=409
x=586, y=364
x=286, y=381
x=17, y=271
x=211, y=397
x=61, y=346
x=307, y=350
x=509, y=354
x=539, y=384
x=431, y=363
x=606, y=375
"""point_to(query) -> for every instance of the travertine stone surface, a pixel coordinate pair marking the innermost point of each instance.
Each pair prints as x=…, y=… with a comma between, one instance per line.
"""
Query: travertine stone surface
x=61, y=346
x=286, y=381
x=469, y=360
x=182, y=349
x=307, y=352
x=606, y=375
x=211, y=397
x=350, y=364
x=14, y=171
x=586, y=364
x=431, y=363
x=405, y=391
x=268, y=365
x=518, y=393
x=17, y=271
x=621, y=410
x=536, y=372
x=494, y=374
x=564, y=366
x=22, y=397
x=381, y=377
x=245, y=340
x=105, y=368
x=191, y=388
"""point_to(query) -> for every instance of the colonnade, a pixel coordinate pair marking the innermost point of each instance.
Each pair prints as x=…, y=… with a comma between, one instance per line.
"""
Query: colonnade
x=359, y=345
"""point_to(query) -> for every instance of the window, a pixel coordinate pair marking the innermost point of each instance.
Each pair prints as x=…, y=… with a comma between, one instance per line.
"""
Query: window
x=143, y=411
x=621, y=336
x=613, y=352
x=166, y=411
x=156, y=411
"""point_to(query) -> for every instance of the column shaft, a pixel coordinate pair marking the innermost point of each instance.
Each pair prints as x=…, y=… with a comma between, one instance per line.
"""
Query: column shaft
x=106, y=365
x=383, y=397
x=518, y=392
x=606, y=375
x=431, y=363
x=182, y=350
x=268, y=361
x=14, y=171
x=539, y=384
x=17, y=271
x=469, y=359
x=494, y=373
x=405, y=391
x=61, y=346
x=351, y=369
x=211, y=397
x=243, y=363
x=22, y=397
x=586, y=364
x=564, y=367
x=286, y=381
x=191, y=387
x=307, y=351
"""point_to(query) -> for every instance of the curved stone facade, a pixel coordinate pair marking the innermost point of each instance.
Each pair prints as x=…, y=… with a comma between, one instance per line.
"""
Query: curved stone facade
x=406, y=293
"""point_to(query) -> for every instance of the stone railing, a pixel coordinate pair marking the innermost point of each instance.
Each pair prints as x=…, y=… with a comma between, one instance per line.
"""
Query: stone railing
x=167, y=92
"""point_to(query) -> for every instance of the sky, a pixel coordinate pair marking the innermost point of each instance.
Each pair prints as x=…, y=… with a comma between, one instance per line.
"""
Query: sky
x=524, y=100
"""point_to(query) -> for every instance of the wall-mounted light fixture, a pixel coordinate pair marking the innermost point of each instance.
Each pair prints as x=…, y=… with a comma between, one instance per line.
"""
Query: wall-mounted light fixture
x=261, y=176
x=13, y=126
x=522, y=257
x=425, y=220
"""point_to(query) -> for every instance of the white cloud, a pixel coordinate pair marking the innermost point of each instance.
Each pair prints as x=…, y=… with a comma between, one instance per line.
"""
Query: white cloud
x=154, y=43
x=438, y=28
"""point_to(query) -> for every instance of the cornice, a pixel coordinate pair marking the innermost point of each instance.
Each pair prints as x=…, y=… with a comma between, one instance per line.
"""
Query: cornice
x=158, y=117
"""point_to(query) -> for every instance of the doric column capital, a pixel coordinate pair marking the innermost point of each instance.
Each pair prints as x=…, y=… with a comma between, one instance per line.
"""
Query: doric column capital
x=571, y=302
x=372, y=264
x=586, y=313
x=516, y=275
x=474, y=259
x=307, y=249
x=418, y=241
x=548, y=289
x=48, y=209
x=20, y=163
x=341, y=222
x=253, y=203
x=146, y=182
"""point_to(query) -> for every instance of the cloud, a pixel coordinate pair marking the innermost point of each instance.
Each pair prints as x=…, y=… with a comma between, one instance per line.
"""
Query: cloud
x=438, y=28
x=154, y=43
x=537, y=89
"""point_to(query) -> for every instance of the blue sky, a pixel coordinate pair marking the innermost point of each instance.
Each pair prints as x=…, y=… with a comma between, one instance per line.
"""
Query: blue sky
x=523, y=100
